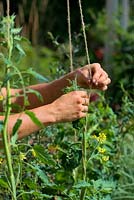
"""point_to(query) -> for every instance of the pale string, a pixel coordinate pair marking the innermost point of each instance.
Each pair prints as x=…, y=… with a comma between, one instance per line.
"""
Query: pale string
x=70, y=36
x=85, y=39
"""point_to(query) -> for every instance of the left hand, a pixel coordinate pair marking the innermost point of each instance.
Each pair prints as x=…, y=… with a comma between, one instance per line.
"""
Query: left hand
x=100, y=79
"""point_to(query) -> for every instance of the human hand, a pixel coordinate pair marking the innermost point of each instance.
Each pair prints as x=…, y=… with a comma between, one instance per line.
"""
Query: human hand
x=100, y=79
x=71, y=106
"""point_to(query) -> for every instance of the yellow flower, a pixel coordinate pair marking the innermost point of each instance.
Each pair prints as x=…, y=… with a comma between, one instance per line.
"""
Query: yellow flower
x=105, y=158
x=1, y=161
x=94, y=137
x=33, y=152
x=102, y=137
x=22, y=156
x=101, y=150
x=1, y=98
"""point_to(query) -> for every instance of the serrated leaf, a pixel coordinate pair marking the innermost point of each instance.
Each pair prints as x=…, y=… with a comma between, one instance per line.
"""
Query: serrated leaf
x=36, y=75
x=34, y=118
x=43, y=155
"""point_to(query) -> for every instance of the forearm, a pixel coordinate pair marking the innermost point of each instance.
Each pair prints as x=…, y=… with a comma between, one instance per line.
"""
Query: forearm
x=49, y=92
x=44, y=115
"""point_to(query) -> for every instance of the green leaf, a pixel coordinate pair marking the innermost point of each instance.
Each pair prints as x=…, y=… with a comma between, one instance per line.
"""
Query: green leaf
x=43, y=155
x=41, y=174
x=35, y=194
x=6, y=79
x=1, y=125
x=36, y=75
x=16, y=126
x=16, y=30
x=15, y=131
x=82, y=184
x=17, y=37
x=19, y=48
x=34, y=118
x=3, y=183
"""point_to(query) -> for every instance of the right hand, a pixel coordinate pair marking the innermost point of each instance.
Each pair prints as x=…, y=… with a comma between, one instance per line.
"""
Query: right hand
x=71, y=106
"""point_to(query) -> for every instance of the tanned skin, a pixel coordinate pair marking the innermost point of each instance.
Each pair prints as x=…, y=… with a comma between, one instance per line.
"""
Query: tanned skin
x=56, y=107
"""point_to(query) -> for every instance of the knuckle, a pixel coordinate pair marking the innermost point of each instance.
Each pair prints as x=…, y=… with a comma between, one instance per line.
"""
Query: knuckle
x=75, y=93
x=78, y=100
x=79, y=108
x=97, y=65
x=105, y=74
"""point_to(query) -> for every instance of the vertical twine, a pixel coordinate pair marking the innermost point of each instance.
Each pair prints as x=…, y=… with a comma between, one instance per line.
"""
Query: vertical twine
x=84, y=151
x=8, y=8
x=85, y=38
x=70, y=36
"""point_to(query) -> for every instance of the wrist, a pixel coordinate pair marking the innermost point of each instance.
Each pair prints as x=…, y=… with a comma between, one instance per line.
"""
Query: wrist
x=48, y=114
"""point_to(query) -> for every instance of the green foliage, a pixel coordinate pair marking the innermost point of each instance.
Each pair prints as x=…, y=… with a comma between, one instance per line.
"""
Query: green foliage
x=49, y=165
x=126, y=152
x=122, y=58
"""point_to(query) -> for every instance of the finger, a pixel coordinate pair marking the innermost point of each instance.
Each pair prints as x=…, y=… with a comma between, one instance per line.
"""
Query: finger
x=85, y=101
x=99, y=76
x=104, y=88
x=101, y=87
x=107, y=81
x=103, y=80
x=96, y=76
x=85, y=109
x=95, y=67
x=83, y=114
x=102, y=83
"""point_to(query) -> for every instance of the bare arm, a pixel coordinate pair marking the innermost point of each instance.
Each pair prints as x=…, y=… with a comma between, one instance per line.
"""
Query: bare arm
x=27, y=127
x=49, y=92
x=67, y=108
x=53, y=90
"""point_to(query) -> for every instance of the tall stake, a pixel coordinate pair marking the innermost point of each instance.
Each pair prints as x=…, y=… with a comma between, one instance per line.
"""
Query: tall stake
x=5, y=135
